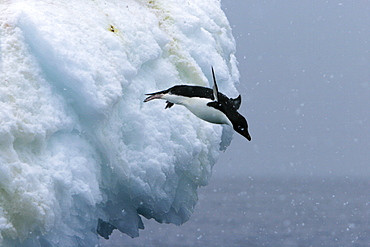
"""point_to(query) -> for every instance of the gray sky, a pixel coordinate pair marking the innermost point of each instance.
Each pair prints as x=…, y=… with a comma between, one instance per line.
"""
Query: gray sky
x=305, y=83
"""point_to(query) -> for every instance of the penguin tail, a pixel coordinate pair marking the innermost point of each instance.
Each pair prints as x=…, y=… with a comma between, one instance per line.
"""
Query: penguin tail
x=169, y=104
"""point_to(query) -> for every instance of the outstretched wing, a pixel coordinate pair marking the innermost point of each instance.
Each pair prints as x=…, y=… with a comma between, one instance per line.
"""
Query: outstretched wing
x=237, y=101
x=215, y=88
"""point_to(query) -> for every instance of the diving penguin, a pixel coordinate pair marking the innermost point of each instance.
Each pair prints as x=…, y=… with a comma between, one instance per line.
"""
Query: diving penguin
x=207, y=104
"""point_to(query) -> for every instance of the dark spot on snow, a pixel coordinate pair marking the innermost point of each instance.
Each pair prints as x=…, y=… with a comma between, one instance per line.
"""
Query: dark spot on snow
x=113, y=29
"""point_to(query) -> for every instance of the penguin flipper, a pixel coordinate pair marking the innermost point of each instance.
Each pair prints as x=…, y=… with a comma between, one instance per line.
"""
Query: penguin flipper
x=215, y=88
x=215, y=105
x=237, y=101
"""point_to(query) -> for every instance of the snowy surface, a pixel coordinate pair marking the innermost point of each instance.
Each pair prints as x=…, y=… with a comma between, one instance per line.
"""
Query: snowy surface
x=77, y=143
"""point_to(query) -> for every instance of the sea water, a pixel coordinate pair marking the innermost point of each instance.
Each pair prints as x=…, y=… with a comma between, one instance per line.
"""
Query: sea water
x=266, y=211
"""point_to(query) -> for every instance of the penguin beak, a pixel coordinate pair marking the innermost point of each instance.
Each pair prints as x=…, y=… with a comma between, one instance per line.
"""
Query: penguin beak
x=246, y=135
x=243, y=131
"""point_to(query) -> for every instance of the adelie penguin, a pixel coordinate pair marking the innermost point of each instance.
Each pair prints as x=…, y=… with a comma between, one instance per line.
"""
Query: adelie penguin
x=207, y=104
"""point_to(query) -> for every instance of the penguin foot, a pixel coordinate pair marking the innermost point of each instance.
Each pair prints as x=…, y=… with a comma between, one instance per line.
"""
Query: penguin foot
x=155, y=96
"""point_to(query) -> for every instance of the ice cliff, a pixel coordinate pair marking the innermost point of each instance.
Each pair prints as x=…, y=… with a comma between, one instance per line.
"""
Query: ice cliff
x=79, y=151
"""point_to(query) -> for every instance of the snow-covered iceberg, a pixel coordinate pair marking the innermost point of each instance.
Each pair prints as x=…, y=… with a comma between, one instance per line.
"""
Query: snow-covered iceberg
x=80, y=152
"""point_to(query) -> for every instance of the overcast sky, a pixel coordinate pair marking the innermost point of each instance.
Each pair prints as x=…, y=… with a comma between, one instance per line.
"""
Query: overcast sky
x=305, y=84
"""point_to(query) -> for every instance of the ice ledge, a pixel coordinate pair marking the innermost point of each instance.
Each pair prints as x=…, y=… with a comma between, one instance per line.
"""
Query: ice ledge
x=77, y=144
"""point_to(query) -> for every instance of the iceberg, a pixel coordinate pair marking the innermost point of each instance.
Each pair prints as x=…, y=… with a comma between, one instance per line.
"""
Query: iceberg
x=80, y=153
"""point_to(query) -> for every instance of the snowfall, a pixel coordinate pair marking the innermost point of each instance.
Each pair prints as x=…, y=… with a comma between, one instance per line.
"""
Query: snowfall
x=80, y=153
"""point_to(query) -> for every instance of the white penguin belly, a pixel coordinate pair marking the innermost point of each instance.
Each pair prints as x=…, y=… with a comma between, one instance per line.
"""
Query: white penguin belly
x=198, y=106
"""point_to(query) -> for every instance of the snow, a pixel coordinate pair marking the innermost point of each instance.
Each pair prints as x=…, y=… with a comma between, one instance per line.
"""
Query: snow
x=77, y=144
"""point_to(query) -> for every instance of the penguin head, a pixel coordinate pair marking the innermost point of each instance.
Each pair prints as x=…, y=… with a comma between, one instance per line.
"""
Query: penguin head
x=240, y=125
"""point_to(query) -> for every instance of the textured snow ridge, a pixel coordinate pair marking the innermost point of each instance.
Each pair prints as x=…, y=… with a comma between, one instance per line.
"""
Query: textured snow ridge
x=79, y=150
